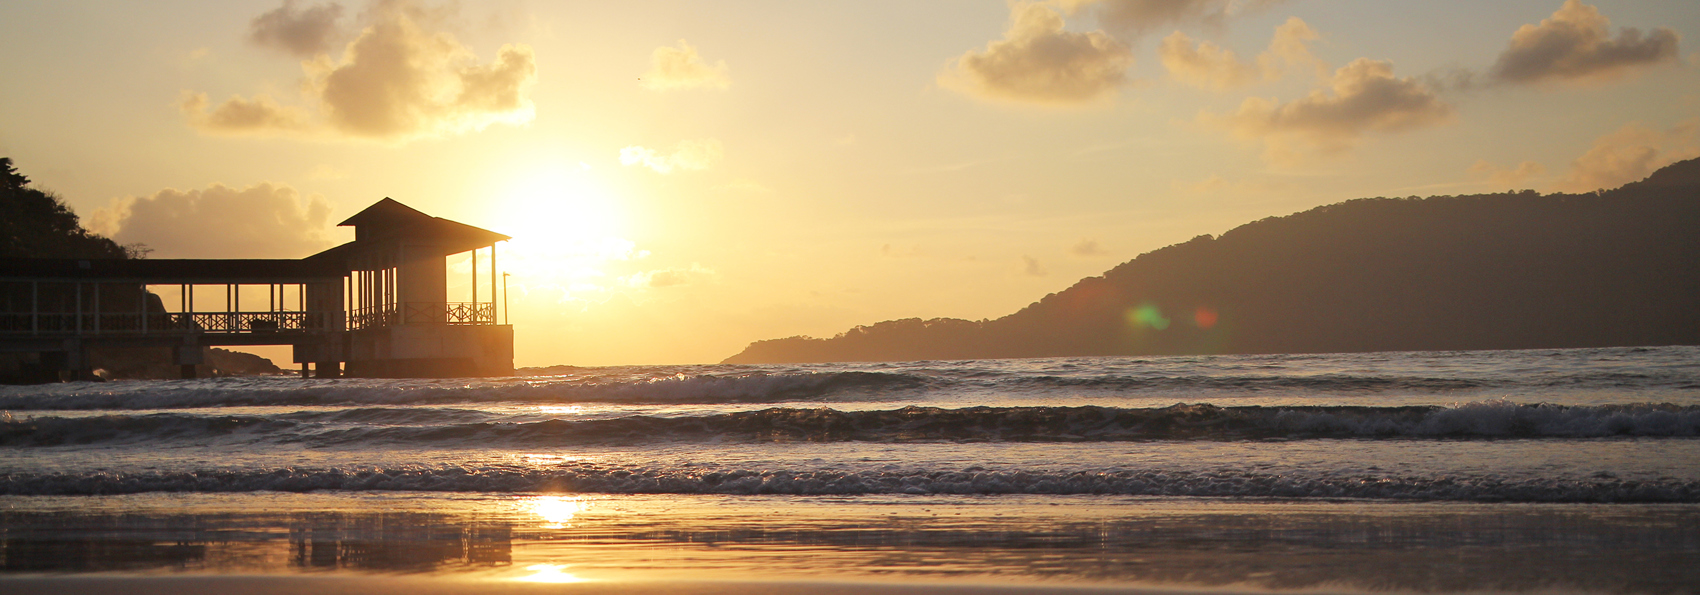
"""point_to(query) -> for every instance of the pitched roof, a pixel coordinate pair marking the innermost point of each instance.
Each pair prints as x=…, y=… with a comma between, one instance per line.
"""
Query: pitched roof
x=388, y=218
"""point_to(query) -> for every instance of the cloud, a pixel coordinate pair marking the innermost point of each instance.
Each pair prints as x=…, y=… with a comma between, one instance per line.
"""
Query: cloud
x=1575, y=44
x=1209, y=66
x=687, y=154
x=1363, y=97
x=237, y=116
x=398, y=80
x=304, y=32
x=1038, y=61
x=668, y=277
x=260, y=221
x=1501, y=176
x=1088, y=247
x=1030, y=267
x=1137, y=17
x=1630, y=154
x=682, y=68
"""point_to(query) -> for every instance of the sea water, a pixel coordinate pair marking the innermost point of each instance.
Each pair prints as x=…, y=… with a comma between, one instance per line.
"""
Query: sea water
x=1568, y=470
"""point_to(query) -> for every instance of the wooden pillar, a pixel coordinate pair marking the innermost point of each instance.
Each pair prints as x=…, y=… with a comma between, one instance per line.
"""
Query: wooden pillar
x=475, y=278
x=492, y=283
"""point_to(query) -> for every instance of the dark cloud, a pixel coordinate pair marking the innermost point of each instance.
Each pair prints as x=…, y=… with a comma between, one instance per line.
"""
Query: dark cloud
x=1030, y=267
x=1576, y=44
x=1138, y=17
x=304, y=32
x=1038, y=61
x=1088, y=247
x=260, y=115
x=402, y=77
x=1363, y=96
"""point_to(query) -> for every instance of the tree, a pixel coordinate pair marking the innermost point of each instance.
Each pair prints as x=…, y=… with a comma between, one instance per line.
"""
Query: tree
x=38, y=224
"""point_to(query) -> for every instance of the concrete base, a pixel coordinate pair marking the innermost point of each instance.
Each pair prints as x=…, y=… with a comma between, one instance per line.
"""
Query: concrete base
x=431, y=351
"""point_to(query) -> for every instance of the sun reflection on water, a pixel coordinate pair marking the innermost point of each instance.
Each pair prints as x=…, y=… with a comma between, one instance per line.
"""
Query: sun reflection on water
x=549, y=573
x=556, y=511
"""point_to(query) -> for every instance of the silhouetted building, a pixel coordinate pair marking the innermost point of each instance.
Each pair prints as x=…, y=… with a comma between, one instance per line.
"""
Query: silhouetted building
x=378, y=304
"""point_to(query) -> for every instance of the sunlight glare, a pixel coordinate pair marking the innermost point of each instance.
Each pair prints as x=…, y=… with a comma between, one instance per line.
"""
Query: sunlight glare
x=566, y=228
x=549, y=573
x=556, y=510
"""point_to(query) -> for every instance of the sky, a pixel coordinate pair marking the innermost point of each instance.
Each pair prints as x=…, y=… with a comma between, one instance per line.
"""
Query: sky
x=683, y=178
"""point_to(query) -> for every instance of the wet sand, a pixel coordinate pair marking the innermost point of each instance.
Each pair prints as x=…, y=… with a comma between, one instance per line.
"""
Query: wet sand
x=418, y=543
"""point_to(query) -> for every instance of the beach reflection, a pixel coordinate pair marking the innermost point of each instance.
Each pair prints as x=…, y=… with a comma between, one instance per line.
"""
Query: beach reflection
x=549, y=573
x=556, y=511
x=565, y=539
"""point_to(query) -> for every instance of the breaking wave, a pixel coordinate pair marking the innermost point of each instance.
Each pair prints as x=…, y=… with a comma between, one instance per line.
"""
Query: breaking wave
x=455, y=428
x=591, y=478
x=705, y=388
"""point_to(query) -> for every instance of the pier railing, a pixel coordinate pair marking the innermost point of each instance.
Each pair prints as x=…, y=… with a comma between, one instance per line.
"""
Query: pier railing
x=423, y=313
x=135, y=323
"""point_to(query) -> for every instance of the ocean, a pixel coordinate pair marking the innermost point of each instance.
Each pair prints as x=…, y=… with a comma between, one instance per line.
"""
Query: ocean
x=1571, y=470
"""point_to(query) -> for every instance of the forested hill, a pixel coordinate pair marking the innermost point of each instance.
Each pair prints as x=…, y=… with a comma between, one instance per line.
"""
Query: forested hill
x=1496, y=271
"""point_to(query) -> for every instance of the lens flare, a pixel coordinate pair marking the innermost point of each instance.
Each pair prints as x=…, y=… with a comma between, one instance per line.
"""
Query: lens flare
x=1204, y=317
x=1147, y=315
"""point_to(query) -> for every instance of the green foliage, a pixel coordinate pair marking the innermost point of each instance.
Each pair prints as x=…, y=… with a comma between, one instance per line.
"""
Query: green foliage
x=37, y=224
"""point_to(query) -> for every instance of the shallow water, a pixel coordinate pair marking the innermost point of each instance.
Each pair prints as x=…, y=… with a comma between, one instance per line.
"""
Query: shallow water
x=1573, y=470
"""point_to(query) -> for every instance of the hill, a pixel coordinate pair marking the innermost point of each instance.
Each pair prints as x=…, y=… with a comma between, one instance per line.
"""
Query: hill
x=1495, y=271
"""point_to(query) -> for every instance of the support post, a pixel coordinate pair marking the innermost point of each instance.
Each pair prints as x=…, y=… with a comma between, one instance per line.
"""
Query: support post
x=475, y=278
x=492, y=284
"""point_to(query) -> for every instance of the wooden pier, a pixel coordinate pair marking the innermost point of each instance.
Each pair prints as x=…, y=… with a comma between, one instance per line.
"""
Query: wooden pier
x=375, y=307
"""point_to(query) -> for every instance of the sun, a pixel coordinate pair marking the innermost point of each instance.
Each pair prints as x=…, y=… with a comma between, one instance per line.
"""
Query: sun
x=562, y=204
x=566, y=227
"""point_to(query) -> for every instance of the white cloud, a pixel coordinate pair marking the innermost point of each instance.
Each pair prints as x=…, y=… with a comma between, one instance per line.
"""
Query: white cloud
x=697, y=154
x=1210, y=66
x=260, y=221
x=671, y=277
x=1507, y=177
x=1038, y=61
x=1630, y=154
x=682, y=68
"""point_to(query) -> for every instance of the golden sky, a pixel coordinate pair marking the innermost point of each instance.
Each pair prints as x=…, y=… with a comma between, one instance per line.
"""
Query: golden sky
x=685, y=177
